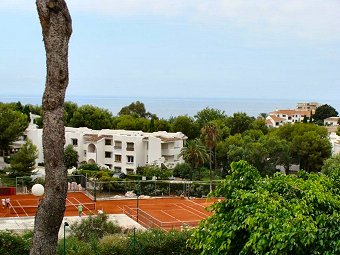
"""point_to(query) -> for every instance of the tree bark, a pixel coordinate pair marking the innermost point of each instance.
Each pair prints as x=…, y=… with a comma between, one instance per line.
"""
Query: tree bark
x=56, y=26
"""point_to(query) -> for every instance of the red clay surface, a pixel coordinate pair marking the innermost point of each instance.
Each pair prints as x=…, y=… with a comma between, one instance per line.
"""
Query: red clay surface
x=153, y=212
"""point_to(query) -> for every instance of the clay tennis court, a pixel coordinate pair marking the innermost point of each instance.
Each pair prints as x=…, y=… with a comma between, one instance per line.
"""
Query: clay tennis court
x=164, y=213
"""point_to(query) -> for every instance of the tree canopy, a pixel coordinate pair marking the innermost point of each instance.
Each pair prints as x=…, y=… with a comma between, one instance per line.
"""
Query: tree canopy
x=285, y=214
x=323, y=112
x=12, y=125
x=23, y=162
x=92, y=117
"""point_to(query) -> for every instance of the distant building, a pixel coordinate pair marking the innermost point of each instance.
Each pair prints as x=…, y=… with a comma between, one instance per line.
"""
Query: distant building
x=311, y=106
x=335, y=141
x=278, y=118
x=119, y=150
x=332, y=121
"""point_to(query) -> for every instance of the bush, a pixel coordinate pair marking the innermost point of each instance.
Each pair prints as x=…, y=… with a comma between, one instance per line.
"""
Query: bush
x=14, y=244
x=94, y=228
x=89, y=166
x=74, y=246
x=182, y=170
x=157, y=241
x=113, y=244
x=152, y=170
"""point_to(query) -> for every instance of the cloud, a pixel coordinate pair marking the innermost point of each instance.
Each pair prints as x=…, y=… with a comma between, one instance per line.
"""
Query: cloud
x=315, y=20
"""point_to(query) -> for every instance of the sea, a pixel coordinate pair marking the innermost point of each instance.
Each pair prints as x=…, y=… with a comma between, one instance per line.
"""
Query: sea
x=172, y=107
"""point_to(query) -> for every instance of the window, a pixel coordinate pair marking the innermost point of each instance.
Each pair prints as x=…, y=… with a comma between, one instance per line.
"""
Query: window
x=85, y=153
x=74, y=142
x=130, y=146
x=118, y=158
x=108, y=154
x=129, y=159
x=118, y=145
x=108, y=141
x=109, y=166
x=118, y=169
x=129, y=171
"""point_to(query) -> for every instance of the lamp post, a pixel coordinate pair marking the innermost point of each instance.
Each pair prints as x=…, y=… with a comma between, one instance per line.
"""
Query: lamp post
x=65, y=225
x=38, y=190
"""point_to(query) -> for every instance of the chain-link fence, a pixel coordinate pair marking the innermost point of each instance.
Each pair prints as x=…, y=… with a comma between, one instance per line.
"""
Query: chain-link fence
x=126, y=188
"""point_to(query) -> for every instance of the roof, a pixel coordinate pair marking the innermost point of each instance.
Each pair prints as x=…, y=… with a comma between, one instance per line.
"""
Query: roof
x=292, y=112
x=276, y=119
x=332, y=119
x=94, y=137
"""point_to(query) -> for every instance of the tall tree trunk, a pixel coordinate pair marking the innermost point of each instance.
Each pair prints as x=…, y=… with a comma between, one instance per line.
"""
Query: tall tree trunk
x=210, y=170
x=56, y=26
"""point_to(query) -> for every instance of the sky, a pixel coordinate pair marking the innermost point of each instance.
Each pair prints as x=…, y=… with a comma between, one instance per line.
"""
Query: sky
x=181, y=49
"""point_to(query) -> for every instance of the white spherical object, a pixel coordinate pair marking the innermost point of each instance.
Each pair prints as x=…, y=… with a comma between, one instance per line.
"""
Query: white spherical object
x=38, y=190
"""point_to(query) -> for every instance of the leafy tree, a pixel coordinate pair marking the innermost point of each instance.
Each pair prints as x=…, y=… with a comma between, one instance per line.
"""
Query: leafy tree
x=239, y=123
x=136, y=109
x=12, y=124
x=195, y=154
x=331, y=164
x=153, y=170
x=285, y=214
x=186, y=125
x=71, y=156
x=210, y=135
x=323, y=112
x=311, y=150
x=338, y=131
x=207, y=115
x=161, y=125
x=182, y=170
x=23, y=162
x=56, y=24
x=92, y=117
x=69, y=109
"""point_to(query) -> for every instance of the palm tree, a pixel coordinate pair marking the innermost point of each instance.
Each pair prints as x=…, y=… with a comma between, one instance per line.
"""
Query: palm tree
x=194, y=153
x=209, y=134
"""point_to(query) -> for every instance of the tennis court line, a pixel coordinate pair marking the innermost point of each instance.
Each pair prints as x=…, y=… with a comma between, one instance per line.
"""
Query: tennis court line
x=13, y=209
x=191, y=209
x=171, y=216
x=85, y=206
x=22, y=207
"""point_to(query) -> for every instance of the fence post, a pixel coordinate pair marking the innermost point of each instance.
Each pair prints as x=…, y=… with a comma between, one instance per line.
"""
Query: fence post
x=95, y=192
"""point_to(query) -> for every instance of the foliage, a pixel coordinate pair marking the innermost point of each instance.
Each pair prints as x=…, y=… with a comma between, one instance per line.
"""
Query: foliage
x=338, y=130
x=94, y=227
x=194, y=153
x=92, y=117
x=74, y=246
x=323, y=112
x=14, y=244
x=207, y=115
x=285, y=214
x=136, y=109
x=239, y=123
x=331, y=164
x=114, y=245
x=186, y=125
x=153, y=170
x=69, y=109
x=23, y=162
x=182, y=170
x=12, y=125
x=160, y=242
x=71, y=156
x=89, y=166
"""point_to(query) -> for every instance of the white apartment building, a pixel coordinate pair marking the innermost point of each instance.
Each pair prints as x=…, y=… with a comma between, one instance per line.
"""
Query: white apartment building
x=119, y=150
x=310, y=106
x=332, y=121
x=278, y=118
